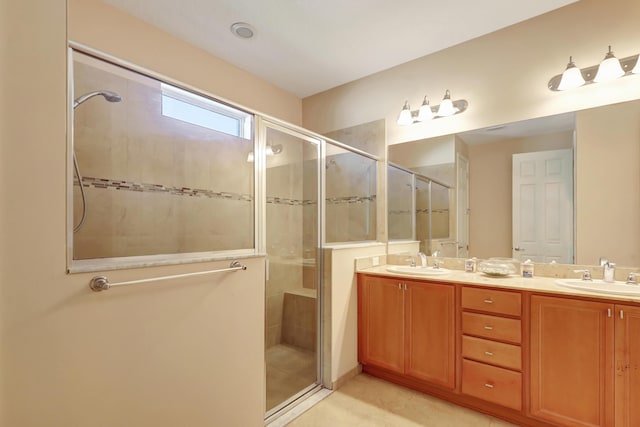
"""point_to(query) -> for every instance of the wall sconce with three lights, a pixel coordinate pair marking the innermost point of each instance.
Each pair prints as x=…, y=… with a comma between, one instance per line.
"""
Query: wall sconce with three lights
x=609, y=69
x=427, y=112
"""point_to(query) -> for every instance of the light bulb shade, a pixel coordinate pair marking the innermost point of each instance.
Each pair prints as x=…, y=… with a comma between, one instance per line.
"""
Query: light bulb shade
x=425, y=113
x=636, y=69
x=446, y=107
x=609, y=68
x=405, y=118
x=571, y=78
x=250, y=157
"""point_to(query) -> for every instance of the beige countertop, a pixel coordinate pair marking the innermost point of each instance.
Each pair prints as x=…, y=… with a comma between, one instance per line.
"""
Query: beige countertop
x=534, y=284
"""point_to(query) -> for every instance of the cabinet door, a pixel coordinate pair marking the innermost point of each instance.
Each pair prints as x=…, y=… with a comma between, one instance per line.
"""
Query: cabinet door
x=430, y=333
x=381, y=303
x=627, y=366
x=571, y=361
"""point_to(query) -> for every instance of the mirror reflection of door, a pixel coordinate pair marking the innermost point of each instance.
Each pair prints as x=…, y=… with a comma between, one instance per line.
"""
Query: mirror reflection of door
x=462, y=202
x=543, y=206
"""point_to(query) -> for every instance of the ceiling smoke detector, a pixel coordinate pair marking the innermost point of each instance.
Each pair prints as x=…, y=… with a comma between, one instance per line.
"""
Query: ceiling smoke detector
x=242, y=30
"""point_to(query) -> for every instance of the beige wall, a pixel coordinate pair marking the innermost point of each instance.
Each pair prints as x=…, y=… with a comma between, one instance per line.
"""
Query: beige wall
x=490, y=196
x=342, y=302
x=608, y=156
x=503, y=75
x=105, y=28
x=183, y=352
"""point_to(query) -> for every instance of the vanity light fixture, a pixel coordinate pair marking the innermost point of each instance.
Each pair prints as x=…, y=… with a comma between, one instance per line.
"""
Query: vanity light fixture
x=427, y=112
x=609, y=69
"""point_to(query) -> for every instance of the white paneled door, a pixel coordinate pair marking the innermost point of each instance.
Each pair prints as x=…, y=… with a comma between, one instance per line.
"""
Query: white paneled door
x=543, y=206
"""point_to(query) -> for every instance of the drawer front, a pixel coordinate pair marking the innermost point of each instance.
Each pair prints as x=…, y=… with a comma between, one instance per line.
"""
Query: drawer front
x=492, y=301
x=496, y=328
x=492, y=384
x=495, y=353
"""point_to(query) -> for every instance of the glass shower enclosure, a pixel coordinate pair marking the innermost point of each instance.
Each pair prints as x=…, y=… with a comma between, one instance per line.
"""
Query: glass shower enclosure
x=292, y=334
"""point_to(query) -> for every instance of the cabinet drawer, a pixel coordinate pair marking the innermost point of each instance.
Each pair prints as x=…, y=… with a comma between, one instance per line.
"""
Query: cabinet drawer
x=492, y=384
x=492, y=301
x=493, y=327
x=496, y=353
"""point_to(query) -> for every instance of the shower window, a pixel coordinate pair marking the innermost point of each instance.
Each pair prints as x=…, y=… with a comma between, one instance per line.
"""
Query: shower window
x=156, y=169
x=350, y=208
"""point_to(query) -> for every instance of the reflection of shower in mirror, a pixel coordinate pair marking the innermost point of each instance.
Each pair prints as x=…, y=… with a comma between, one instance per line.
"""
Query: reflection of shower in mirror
x=111, y=97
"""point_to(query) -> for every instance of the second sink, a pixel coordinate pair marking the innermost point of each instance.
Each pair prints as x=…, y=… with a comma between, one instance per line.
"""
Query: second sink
x=619, y=288
x=418, y=271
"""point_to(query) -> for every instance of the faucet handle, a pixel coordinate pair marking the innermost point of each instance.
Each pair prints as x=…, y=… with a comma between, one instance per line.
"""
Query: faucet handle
x=632, y=278
x=586, y=274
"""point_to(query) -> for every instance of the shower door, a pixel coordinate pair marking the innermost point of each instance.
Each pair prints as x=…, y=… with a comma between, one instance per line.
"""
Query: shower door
x=292, y=333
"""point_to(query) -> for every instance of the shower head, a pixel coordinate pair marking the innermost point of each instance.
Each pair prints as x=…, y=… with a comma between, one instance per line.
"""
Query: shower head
x=107, y=94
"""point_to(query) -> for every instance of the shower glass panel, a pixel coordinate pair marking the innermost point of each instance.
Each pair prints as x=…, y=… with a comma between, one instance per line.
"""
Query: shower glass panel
x=292, y=288
x=350, y=189
x=400, y=203
x=439, y=211
x=423, y=213
x=163, y=170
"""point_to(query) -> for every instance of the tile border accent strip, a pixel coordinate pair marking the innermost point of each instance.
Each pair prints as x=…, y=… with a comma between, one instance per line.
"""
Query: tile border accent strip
x=115, y=184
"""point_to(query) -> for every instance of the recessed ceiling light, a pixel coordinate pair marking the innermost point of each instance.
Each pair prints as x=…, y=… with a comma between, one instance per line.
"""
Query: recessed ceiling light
x=242, y=30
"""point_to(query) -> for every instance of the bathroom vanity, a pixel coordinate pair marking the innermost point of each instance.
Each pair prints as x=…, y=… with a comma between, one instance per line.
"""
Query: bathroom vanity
x=522, y=349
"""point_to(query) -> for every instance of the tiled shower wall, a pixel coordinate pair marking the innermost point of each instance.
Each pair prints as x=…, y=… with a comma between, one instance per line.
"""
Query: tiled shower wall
x=154, y=184
x=292, y=236
x=350, y=208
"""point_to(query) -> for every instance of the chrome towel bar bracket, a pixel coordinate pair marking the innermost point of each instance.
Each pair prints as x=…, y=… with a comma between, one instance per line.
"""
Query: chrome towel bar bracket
x=101, y=283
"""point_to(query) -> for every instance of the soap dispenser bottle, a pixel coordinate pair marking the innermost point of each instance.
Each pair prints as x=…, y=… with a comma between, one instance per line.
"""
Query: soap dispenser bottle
x=609, y=272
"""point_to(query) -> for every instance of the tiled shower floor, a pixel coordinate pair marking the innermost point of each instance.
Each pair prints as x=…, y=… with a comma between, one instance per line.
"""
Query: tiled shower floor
x=289, y=370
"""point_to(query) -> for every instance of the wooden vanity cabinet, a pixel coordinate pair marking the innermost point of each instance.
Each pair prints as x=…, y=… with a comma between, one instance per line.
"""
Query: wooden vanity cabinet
x=572, y=350
x=627, y=366
x=531, y=358
x=408, y=327
x=491, y=346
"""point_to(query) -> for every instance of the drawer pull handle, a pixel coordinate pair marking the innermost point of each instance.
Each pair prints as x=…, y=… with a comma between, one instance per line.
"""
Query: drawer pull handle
x=488, y=353
x=488, y=301
x=487, y=385
x=489, y=328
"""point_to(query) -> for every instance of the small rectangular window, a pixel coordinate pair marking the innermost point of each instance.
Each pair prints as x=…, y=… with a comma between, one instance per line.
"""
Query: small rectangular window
x=191, y=108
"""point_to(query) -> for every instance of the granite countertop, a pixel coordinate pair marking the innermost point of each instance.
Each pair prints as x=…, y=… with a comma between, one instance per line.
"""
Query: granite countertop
x=534, y=284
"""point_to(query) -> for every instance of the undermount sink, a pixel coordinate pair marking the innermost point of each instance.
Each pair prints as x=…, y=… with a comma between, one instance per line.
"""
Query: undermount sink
x=620, y=288
x=418, y=271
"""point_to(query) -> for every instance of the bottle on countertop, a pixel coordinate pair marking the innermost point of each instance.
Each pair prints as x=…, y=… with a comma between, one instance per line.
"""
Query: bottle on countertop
x=470, y=265
x=527, y=269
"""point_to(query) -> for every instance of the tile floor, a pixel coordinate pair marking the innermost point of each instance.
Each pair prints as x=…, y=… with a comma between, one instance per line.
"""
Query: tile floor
x=368, y=401
x=289, y=370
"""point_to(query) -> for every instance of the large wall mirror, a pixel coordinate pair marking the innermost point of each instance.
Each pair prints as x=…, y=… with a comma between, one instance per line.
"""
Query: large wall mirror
x=563, y=188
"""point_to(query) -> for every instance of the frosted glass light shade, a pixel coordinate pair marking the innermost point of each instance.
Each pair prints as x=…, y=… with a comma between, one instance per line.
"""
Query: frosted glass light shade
x=609, y=68
x=446, y=107
x=571, y=78
x=405, y=115
x=425, y=113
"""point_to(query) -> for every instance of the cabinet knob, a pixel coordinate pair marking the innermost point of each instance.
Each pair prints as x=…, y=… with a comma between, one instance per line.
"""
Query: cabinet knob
x=488, y=353
x=488, y=301
x=487, y=385
x=489, y=328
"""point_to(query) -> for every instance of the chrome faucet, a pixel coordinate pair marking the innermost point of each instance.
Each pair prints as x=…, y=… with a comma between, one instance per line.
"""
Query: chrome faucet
x=423, y=259
x=586, y=274
x=632, y=278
